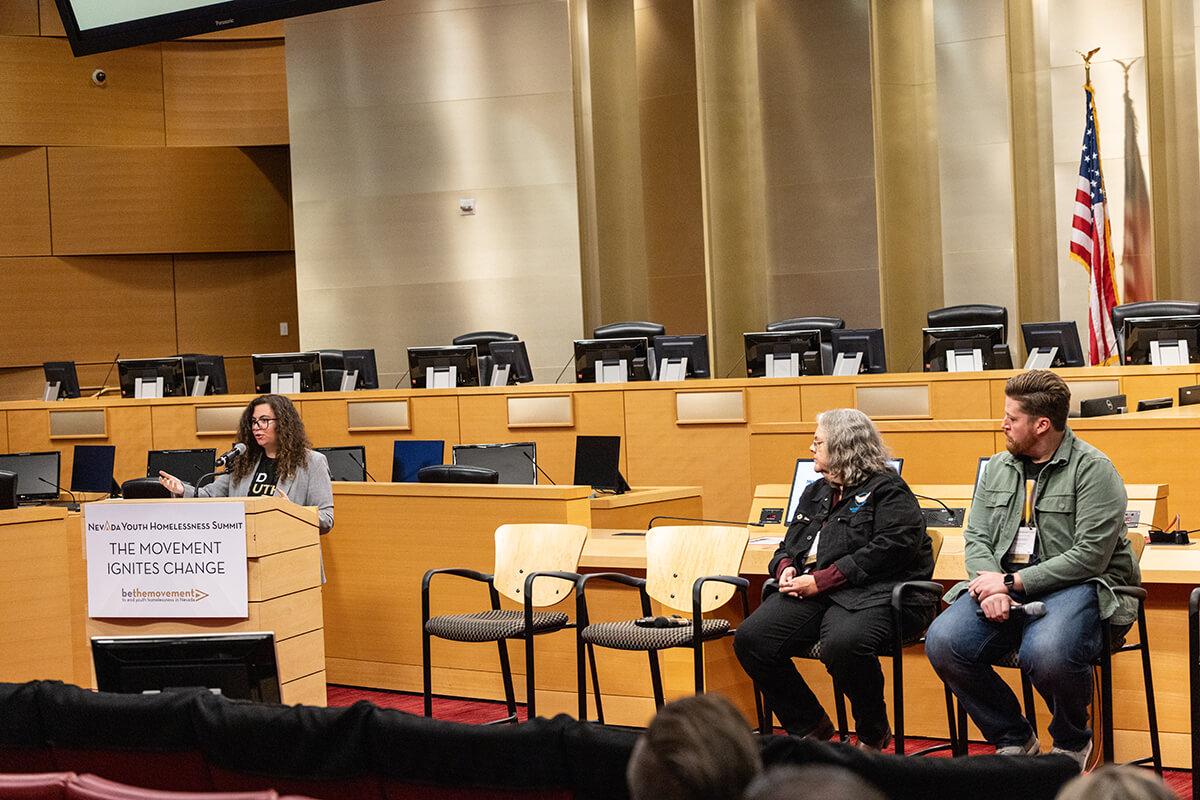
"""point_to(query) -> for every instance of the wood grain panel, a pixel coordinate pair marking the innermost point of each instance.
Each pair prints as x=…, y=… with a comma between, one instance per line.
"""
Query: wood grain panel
x=24, y=203
x=51, y=22
x=48, y=97
x=225, y=93
x=116, y=305
x=128, y=429
x=35, y=607
x=232, y=305
x=18, y=17
x=169, y=200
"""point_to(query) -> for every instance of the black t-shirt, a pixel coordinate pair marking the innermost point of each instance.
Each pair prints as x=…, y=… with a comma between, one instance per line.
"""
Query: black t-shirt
x=262, y=483
x=1032, y=469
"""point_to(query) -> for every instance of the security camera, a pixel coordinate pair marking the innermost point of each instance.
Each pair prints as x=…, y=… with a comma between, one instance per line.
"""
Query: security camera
x=99, y=77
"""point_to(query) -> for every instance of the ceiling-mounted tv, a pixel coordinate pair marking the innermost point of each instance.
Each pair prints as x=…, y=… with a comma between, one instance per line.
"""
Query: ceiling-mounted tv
x=95, y=26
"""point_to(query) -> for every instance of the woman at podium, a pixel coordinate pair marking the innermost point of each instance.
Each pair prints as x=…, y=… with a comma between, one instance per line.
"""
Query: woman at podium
x=278, y=460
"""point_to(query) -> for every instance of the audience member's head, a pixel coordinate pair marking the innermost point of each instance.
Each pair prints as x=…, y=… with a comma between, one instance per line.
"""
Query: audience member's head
x=826, y=781
x=1117, y=783
x=697, y=748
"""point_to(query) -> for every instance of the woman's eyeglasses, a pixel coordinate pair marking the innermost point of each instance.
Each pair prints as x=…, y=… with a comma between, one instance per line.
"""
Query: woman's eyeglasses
x=261, y=422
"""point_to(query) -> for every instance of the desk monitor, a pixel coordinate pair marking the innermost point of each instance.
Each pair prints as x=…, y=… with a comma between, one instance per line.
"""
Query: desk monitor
x=338, y=366
x=240, y=666
x=805, y=474
x=670, y=350
x=1162, y=341
x=966, y=348
x=516, y=462
x=1103, y=406
x=782, y=354
x=187, y=465
x=362, y=361
x=1189, y=395
x=409, y=456
x=612, y=360
x=287, y=373
x=92, y=468
x=37, y=474
x=209, y=370
x=982, y=468
x=61, y=374
x=1063, y=337
x=598, y=463
x=346, y=463
x=1155, y=404
x=152, y=377
x=515, y=357
x=864, y=343
x=443, y=367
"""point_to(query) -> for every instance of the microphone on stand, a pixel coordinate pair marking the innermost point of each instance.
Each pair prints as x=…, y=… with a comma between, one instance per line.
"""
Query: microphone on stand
x=701, y=519
x=539, y=469
x=107, y=375
x=222, y=461
x=71, y=506
x=360, y=464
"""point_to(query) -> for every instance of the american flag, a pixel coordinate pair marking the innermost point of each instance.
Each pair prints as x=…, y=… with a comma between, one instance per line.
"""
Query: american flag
x=1091, y=241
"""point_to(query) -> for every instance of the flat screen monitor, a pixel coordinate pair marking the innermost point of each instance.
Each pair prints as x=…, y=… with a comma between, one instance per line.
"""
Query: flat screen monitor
x=868, y=341
x=1103, y=406
x=693, y=347
x=63, y=373
x=1189, y=395
x=965, y=340
x=187, y=465
x=1064, y=335
x=197, y=365
x=277, y=373
x=37, y=474
x=335, y=363
x=96, y=26
x=410, y=456
x=983, y=462
x=516, y=356
x=805, y=474
x=346, y=463
x=443, y=367
x=516, y=462
x=92, y=468
x=598, y=463
x=610, y=357
x=1151, y=340
x=140, y=377
x=792, y=353
x=240, y=666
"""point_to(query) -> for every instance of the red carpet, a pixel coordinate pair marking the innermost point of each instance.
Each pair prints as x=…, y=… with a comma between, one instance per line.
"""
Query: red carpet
x=480, y=711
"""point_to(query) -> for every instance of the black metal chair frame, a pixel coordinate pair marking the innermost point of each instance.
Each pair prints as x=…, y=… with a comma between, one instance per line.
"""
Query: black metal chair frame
x=505, y=667
x=896, y=653
x=1194, y=680
x=1104, y=663
x=696, y=644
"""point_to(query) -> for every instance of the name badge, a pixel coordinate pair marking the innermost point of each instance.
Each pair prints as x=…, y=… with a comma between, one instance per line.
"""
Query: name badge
x=1024, y=545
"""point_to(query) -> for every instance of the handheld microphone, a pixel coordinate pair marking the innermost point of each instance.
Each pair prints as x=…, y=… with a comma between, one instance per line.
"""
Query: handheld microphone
x=107, y=375
x=361, y=464
x=237, y=450
x=701, y=519
x=564, y=369
x=402, y=377
x=539, y=469
x=1032, y=610
x=71, y=506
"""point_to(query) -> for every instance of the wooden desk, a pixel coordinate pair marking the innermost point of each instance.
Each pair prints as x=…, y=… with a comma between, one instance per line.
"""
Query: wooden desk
x=35, y=607
x=634, y=509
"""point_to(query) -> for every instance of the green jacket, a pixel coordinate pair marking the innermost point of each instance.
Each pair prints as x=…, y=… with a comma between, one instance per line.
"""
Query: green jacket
x=1080, y=514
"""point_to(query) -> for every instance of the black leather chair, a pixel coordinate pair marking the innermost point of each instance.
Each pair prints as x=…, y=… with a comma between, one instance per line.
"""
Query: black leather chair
x=823, y=324
x=1149, y=308
x=624, y=330
x=457, y=473
x=975, y=314
x=483, y=340
x=144, y=489
x=8, y=489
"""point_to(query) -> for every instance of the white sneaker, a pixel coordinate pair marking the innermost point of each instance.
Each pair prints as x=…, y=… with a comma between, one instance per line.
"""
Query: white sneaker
x=1030, y=748
x=1080, y=756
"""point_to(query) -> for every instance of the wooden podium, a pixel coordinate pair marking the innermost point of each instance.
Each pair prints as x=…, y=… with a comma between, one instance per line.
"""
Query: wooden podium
x=35, y=609
x=283, y=565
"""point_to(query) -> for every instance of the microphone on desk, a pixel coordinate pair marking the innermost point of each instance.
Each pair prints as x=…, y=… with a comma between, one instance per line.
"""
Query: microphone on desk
x=1032, y=610
x=570, y=361
x=361, y=465
x=954, y=517
x=71, y=506
x=533, y=461
x=107, y=375
x=701, y=519
x=237, y=450
x=402, y=377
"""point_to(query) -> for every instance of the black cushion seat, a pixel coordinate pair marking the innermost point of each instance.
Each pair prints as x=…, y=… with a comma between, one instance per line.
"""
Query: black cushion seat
x=491, y=625
x=628, y=635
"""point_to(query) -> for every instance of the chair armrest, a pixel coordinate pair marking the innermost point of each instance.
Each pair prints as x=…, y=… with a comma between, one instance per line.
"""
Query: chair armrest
x=770, y=587
x=698, y=587
x=902, y=589
x=457, y=571
x=581, y=612
x=573, y=577
x=1194, y=602
x=1131, y=591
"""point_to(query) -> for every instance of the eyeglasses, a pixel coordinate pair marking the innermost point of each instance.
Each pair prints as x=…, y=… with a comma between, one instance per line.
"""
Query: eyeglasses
x=817, y=443
x=261, y=422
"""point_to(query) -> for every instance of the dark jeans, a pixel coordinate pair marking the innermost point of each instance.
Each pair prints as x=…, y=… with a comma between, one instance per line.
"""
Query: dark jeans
x=784, y=626
x=1056, y=651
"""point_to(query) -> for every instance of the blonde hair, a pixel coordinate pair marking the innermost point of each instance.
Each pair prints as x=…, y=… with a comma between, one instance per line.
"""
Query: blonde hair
x=1116, y=783
x=855, y=448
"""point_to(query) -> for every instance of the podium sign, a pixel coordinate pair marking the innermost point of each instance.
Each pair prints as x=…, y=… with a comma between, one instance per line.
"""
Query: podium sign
x=166, y=560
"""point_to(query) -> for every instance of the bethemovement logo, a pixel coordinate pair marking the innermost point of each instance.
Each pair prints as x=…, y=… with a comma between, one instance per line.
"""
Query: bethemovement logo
x=136, y=595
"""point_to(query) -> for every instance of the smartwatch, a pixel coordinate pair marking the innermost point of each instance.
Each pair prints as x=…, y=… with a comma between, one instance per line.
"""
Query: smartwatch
x=1009, y=578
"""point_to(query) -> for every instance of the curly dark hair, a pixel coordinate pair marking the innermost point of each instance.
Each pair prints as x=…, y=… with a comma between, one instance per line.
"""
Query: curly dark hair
x=292, y=441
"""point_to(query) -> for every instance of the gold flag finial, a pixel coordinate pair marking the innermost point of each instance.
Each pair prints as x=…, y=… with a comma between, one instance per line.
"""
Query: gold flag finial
x=1087, y=64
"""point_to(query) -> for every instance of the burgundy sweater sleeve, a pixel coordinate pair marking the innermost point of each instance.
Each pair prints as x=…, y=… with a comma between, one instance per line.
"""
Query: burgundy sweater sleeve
x=784, y=563
x=829, y=578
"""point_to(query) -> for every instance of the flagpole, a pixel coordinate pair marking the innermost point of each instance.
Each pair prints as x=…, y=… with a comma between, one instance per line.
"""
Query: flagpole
x=1087, y=64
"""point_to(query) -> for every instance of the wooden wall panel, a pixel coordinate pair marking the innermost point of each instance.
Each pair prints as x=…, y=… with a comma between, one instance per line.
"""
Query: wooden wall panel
x=24, y=203
x=19, y=17
x=48, y=97
x=117, y=304
x=231, y=305
x=169, y=200
x=225, y=93
x=51, y=22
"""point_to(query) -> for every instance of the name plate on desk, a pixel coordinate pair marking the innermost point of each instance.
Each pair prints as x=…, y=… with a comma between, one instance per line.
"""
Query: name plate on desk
x=166, y=560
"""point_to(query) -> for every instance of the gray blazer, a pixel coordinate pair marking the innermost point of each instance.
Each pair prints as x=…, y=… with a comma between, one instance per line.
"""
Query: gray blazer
x=310, y=486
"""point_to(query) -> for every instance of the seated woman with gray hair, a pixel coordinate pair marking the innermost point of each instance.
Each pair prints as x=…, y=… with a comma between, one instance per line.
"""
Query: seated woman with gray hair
x=856, y=533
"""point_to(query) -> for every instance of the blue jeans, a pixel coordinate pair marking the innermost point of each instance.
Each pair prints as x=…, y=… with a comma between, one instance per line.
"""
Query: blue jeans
x=1056, y=651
